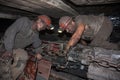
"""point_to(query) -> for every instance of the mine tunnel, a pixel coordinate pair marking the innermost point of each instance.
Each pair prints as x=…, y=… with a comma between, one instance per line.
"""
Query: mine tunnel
x=82, y=62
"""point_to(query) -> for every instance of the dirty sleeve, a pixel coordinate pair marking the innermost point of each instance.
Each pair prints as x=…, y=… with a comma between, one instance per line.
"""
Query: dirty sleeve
x=10, y=33
x=37, y=43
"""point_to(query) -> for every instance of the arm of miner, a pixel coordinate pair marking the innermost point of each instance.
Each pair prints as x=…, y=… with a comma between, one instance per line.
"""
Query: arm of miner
x=11, y=32
x=37, y=45
x=76, y=36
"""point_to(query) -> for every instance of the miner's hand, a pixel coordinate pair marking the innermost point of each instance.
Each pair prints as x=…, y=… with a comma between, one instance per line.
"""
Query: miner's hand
x=7, y=55
x=38, y=56
x=66, y=50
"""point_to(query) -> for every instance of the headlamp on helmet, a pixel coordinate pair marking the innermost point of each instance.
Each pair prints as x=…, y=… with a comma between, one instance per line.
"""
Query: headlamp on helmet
x=63, y=23
x=60, y=30
x=46, y=20
x=51, y=27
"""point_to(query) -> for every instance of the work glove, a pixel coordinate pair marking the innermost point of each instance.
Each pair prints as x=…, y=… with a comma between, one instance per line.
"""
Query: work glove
x=38, y=56
x=66, y=50
x=7, y=55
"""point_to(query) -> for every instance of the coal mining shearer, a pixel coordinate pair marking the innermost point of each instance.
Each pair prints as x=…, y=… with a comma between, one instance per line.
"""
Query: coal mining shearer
x=60, y=40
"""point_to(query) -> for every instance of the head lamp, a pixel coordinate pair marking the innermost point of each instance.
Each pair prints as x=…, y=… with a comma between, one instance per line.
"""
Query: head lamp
x=60, y=30
x=51, y=27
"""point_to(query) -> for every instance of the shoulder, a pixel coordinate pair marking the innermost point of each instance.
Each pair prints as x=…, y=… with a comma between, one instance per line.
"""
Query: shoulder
x=23, y=18
x=81, y=16
x=80, y=19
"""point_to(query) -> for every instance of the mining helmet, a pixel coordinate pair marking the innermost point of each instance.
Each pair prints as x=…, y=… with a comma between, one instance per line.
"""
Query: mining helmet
x=45, y=19
x=63, y=23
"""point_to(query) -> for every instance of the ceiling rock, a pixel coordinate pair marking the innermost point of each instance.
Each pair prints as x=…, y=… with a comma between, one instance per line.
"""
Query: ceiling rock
x=93, y=2
x=9, y=16
x=53, y=8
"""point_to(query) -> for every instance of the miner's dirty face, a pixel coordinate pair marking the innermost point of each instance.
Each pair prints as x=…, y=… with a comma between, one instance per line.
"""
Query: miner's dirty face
x=40, y=25
x=71, y=27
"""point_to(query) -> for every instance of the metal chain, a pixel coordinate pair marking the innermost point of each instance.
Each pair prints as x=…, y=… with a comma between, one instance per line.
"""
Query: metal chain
x=104, y=63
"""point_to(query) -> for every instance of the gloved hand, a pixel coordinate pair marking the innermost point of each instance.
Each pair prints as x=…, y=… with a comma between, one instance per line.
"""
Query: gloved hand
x=66, y=50
x=7, y=55
x=38, y=56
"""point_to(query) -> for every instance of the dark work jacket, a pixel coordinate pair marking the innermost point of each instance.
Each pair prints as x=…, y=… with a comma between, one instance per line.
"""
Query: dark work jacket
x=94, y=23
x=20, y=35
x=99, y=30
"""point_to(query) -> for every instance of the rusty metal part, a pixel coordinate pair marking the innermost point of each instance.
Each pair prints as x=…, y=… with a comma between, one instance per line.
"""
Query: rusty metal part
x=53, y=48
x=44, y=68
x=30, y=69
x=36, y=69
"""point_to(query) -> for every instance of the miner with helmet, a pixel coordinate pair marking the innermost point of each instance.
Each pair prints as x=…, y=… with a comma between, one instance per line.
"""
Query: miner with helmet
x=24, y=32
x=95, y=29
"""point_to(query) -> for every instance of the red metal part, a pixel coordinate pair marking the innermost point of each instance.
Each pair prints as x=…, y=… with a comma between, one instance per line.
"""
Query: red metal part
x=54, y=48
x=30, y=69
x=44, y=68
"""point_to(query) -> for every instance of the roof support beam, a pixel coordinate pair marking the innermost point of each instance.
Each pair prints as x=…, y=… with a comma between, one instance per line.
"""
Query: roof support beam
x=54, y=8
x=9, y=16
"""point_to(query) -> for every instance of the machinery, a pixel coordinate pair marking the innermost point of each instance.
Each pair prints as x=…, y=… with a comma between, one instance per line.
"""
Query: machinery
x=84, y=61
